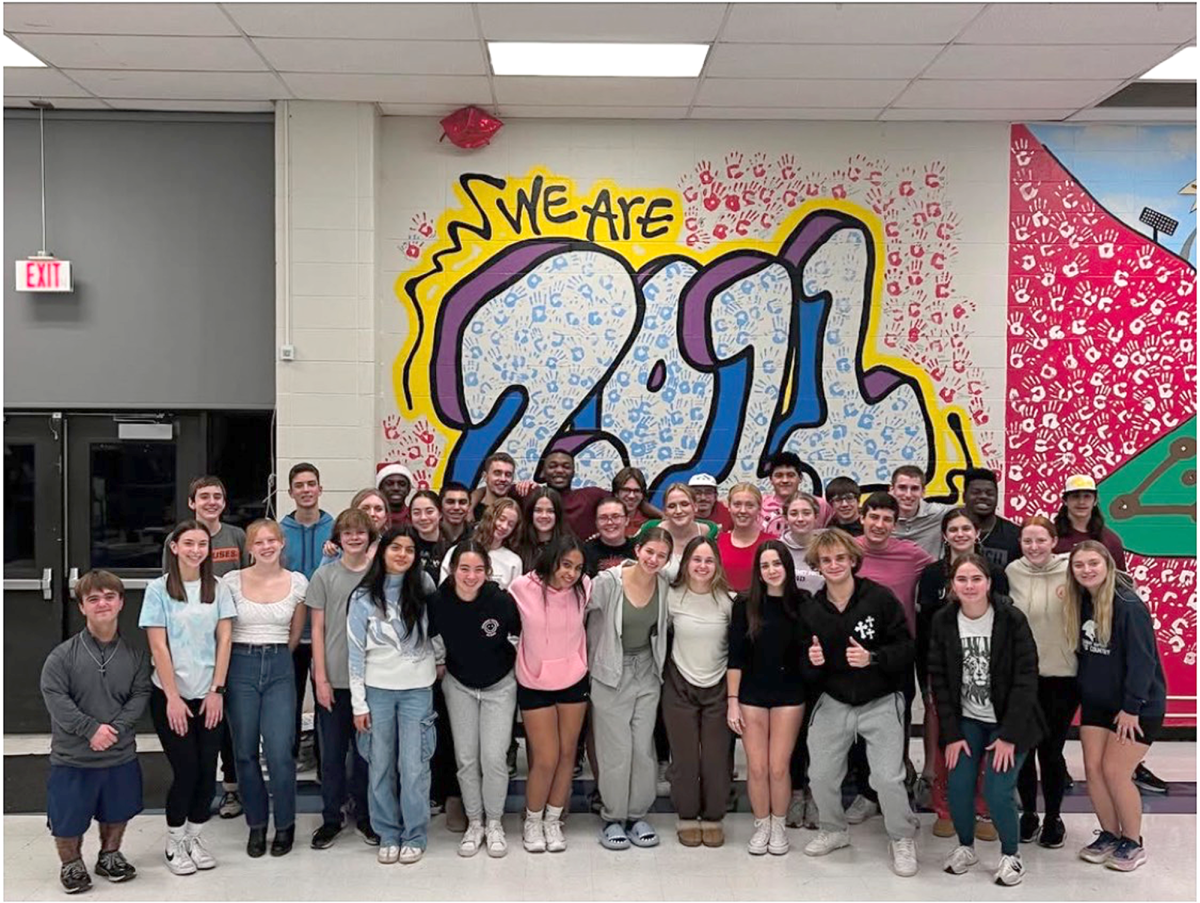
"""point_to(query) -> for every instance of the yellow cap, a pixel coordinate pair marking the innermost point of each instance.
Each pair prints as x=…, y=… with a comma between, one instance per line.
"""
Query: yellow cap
x=1079, y=482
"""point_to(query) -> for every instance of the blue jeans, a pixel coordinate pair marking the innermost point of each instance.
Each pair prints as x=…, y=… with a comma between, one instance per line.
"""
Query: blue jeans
x=335, y=734
x=998, y=787
x=400, y=744
x=261, y=701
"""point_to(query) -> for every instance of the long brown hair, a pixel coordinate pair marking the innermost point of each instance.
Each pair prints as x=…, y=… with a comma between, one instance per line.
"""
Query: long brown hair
x=756, y=597
x=720, y=582
x=486, y=528
x=208, y=583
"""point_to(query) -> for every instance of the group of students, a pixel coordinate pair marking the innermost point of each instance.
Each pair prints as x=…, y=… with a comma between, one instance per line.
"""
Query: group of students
x=803, y=625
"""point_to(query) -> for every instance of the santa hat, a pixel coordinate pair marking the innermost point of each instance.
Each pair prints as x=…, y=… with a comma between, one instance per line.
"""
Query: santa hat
x=385, y=470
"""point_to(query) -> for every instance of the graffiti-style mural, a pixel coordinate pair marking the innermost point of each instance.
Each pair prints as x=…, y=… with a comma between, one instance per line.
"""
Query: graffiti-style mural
x=754, y=309
x=1102, y=375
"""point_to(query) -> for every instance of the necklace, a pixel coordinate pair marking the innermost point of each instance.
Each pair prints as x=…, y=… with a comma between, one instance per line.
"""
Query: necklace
x=102, y=664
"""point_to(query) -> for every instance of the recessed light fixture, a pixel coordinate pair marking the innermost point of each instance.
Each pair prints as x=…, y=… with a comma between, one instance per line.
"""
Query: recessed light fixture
x=597, y=60
x=1181, y=67
x=13, y=54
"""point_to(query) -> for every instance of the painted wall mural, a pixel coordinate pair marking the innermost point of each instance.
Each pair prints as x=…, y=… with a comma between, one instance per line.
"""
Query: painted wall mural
x=1102, y=370
x=757, y=307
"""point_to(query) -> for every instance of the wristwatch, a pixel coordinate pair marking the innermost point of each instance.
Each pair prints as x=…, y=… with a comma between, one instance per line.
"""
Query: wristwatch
x=220, y=691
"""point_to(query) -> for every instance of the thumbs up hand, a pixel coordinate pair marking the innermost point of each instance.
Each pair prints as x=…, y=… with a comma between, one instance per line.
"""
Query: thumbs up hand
x=816, y=654
x=856, y=655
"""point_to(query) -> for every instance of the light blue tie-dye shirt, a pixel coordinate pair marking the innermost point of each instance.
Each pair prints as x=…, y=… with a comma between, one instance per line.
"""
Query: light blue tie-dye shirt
x=383, y=653
x=191, y=632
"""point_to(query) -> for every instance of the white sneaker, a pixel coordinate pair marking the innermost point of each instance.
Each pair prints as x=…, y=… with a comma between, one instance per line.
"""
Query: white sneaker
x=409, y=855
x=904, y=857
x=497, y=843
x=178, y=860
x=472, y=840
x=553, y=831
x=959, y=860
x=1011, y=870
x=760, y=840
x=534, y=836
x=388, y=854
x=778, y=844
x=196, y=849
x=826, y=842
x=860, y=810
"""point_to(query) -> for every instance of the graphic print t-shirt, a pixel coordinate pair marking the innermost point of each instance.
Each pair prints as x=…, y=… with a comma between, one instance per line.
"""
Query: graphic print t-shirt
x=976, y=636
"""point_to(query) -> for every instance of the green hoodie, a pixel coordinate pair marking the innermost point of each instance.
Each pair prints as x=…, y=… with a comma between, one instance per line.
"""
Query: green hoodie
x=1040, y=593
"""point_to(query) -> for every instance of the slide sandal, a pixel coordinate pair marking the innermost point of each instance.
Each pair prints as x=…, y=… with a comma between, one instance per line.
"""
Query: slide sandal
x=642, y=835
x=613, y=837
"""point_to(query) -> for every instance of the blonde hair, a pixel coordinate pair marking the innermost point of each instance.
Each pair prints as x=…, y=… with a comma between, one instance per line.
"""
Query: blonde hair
x=680, y=487
x=738, y=488
x=803, y=497
x=835, y=540
x=263, y=523
x=1102, y=596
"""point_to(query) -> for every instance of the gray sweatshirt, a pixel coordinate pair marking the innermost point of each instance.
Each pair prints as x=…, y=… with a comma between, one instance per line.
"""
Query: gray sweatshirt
x=605, y=658
x=80, y=699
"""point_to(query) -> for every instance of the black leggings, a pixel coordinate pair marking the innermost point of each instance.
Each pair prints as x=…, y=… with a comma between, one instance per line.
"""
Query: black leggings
x=193, y=759
x=1059, y=698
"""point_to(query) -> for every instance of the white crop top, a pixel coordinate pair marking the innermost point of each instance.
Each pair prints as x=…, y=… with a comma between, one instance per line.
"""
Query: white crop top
x=259, y=622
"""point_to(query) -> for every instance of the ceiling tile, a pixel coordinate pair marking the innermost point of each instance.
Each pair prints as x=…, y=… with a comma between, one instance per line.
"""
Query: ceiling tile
x=589, y=92
x=543, y=111
x=452, y=89
x=844, y=23
x=1083, y=23
x=374, y=57
x=813, y=93
x=781, y=113
x=25, y=82
x=400, y=21
x=632, y=22
x=197, y=106
x=1097, y=61
x=70, y=51
x=112, y=83
x=945, y=115
x=60, y=103
x=819, y=60
x=118, y=18
x=995, y=94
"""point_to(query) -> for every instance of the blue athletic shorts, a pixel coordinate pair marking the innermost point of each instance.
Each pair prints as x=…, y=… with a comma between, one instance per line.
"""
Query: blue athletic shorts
x=74, y=796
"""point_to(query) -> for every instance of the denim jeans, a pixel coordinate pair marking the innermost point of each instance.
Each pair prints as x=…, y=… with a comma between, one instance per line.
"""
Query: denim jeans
x=261, y=697
x=335, y=734
x=998, y=787
x=399, y=746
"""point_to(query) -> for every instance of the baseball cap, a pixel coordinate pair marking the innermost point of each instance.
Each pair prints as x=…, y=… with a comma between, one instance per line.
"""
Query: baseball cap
x=703, y=481
x=1079, y=482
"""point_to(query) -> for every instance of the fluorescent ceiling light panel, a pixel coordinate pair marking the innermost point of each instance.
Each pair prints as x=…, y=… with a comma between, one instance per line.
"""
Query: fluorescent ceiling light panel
x=1181, y=67
x=597, y=60
x=14, y=54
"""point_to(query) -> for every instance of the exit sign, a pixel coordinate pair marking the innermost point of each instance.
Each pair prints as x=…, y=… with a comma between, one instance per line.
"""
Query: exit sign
x=44, y=274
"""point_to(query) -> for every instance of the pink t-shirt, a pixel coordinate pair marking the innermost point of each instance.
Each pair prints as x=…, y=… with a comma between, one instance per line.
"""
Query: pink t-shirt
x=897, y=566
x=739, y=562
x=552, y=652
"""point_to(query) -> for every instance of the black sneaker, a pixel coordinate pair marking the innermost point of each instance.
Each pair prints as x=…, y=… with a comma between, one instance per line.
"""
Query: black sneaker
x=1054, y=832
x=1147, y=781
x=115, y=867
x=325, y=835
x=1029, y=827
x=366, y=832
x=74, y=877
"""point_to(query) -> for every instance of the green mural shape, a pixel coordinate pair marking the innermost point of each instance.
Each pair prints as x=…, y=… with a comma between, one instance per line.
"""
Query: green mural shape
x=1150, y=502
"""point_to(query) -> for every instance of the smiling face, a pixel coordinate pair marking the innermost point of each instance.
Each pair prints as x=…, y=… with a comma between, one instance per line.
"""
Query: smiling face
x=569, y=570
x=878, y=525
x=470, y=573
x=631, y=495
x=425, y=516
x=679, y=509
x=499, y=478
x=1089, y=568
x=505, y=523
x=785, y=480
x=305, y=489
x=208, y=503
x=744, y=508
x=399, y=556
x=960, y=535
x=191, y=548
x=701, y=568
x=456, y=503
x=652, y=555
x=396, y=488
x=101, y=608
x=770, y=568
x=835, y=564
x=266, y=545
x=980, y=498
x=543, y=516
x=971, y=585
x=706, y=500
x=354, y=542
x=1080, y=504
x=611, y=520
x=908, y=491
x=558, y=470
x=801, y=517
x=376, y=509
x=845, y=507
x=1037, y=545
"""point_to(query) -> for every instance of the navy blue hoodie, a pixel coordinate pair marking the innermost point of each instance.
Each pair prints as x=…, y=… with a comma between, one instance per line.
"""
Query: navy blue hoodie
x=1127, y=674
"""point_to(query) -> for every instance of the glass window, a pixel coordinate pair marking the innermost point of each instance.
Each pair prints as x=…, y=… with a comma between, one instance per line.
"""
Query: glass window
x=239, y=452
x=131, y=502
x=19, y=507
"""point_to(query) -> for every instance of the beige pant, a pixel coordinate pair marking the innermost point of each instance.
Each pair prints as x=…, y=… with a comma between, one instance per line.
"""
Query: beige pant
x=623, y=719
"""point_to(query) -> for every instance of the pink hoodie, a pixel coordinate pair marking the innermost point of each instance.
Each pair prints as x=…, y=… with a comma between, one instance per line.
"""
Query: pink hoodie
x=552, y=652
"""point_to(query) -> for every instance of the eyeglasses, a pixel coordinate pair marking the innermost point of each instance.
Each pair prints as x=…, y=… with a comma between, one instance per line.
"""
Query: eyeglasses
x=630, y=490
x=844, y=498
x=610, y=518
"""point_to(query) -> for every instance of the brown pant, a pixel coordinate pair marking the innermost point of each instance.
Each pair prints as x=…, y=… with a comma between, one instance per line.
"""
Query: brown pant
x=699, y=735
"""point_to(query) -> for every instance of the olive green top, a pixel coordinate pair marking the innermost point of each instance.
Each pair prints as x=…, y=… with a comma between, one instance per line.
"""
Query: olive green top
x=638, y=623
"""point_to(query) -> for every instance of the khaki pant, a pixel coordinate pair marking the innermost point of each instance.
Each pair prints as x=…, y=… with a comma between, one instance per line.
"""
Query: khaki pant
x=699, y=735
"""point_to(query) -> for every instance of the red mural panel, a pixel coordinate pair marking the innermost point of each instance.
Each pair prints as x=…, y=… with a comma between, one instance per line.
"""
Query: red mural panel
x=1101, y=365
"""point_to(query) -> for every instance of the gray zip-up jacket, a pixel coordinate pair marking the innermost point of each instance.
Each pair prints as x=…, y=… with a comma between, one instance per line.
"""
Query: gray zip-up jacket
x=604, y=618
x=80, y=699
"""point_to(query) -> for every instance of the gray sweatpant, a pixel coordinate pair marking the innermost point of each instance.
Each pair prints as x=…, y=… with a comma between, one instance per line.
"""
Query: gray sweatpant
x=832, y=731
x=481, y=722
x=623, y=719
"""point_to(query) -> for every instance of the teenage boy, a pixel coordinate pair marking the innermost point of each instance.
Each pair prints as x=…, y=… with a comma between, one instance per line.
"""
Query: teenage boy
x=609, y=546
x=207, y=499
x=305, y=531
x=844, y=497
x=395, y=481
x=1000, y=538
x=704, y=489
x=557, y=469
x=783, y=470
x=918, y=521
x=456, y=512
x=499, y=471
x=328, y=599
x=857, y=661
x=95, y=687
